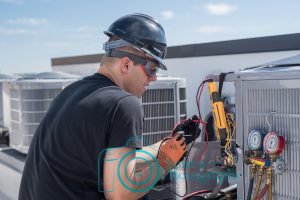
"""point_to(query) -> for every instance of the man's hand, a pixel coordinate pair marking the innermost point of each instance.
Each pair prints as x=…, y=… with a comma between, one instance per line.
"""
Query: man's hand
x=171, y=152
x=190, y=127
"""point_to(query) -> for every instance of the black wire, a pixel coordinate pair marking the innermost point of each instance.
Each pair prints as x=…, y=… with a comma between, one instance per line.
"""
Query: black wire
x=198, y=90
x=188, y=152
x=198, y=106
x=185, y=180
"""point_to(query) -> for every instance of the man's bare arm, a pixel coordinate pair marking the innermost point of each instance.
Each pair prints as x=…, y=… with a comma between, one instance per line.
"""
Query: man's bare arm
x=121, y=177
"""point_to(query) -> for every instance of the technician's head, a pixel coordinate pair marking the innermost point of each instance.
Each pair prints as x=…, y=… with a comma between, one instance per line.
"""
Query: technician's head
x=137, y=46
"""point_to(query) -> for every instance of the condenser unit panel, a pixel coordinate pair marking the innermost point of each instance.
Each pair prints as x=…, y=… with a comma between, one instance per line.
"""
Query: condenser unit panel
x=279, y=100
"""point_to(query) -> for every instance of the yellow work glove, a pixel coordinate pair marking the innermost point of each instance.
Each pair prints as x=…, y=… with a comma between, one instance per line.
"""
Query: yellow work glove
x=171, y=152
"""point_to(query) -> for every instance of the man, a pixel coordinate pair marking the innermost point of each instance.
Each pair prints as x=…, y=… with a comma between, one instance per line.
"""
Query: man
x=85, y=147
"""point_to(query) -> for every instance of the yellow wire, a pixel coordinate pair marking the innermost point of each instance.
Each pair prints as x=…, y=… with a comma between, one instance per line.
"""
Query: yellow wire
x=231, y=131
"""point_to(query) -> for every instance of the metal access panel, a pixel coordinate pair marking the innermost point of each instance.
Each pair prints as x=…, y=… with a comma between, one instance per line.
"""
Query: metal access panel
x=257, y=95
x=164, y=104
x=25, y=104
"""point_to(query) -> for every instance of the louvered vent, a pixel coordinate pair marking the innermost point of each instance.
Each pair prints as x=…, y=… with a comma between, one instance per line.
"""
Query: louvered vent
x=26, y=102
x=164, y=104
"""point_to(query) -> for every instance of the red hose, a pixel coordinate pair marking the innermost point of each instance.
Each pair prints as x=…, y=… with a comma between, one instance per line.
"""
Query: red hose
x=262, y=193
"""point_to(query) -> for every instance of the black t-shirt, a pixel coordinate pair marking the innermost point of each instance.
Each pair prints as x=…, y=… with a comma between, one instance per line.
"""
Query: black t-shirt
x=66, y=151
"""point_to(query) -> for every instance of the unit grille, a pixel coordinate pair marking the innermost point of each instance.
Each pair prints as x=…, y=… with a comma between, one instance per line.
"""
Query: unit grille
x=283, y=100
x=163, y=105
x=285, y=103
x=28, y=108
x=26, y=103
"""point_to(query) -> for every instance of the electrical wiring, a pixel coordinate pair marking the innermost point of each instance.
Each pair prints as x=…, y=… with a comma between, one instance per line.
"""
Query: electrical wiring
x=203, y=123
x=199, y=92
x=187, y=155
x=159, y=189
x=231, y=136
x=231, y=131
x=186, y=185
x=198, y=98
x=196, y=193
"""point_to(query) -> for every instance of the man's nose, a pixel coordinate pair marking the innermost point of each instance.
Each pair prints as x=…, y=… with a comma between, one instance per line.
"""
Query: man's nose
x=153, y=78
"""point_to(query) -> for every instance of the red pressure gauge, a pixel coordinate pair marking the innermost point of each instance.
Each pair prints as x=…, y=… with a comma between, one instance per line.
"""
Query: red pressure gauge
x=273, y=143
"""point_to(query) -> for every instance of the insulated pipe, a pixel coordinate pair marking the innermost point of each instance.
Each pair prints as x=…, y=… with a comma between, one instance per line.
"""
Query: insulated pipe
x=260, y=174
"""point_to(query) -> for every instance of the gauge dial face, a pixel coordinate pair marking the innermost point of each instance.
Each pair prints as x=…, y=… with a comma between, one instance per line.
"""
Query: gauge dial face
x=271, y=143
x=254, y=140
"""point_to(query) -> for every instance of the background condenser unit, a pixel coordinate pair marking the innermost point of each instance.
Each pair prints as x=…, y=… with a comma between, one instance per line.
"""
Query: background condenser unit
x=164, y=104
x=26, y=100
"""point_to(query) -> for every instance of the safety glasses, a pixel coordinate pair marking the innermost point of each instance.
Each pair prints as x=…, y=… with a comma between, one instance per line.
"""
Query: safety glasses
x=150, y=67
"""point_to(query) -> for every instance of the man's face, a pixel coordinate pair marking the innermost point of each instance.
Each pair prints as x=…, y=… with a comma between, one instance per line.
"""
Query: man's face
x=138, y=80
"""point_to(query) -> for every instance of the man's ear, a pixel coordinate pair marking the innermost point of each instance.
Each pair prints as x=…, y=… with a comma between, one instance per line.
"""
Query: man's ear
x=125, y=64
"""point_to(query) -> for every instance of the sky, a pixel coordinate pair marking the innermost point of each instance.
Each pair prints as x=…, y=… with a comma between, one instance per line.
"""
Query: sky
x=34, y=31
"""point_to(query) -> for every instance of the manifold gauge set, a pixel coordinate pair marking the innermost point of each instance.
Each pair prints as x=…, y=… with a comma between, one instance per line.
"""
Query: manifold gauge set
x=271, y=143
x=263, y=158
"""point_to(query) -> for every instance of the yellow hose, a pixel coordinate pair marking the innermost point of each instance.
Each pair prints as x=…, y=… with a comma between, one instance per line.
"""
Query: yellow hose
x=259, y=180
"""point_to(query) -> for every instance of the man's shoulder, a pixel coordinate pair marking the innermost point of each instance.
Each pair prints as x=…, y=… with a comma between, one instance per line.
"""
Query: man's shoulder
x=115, y=93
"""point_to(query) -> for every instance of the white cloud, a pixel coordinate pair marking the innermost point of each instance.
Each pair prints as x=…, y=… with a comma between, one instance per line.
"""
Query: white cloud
x=220, y=9
x=16, y=2
x=28, y=21
x=168, y=14
x=14, y=31
x=210, y=29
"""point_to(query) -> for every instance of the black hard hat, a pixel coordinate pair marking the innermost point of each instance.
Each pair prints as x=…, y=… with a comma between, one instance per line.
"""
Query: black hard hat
x=142, y=32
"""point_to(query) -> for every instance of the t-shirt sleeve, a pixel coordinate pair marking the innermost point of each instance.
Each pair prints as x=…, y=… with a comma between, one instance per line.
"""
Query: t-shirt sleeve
x=126, y=124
